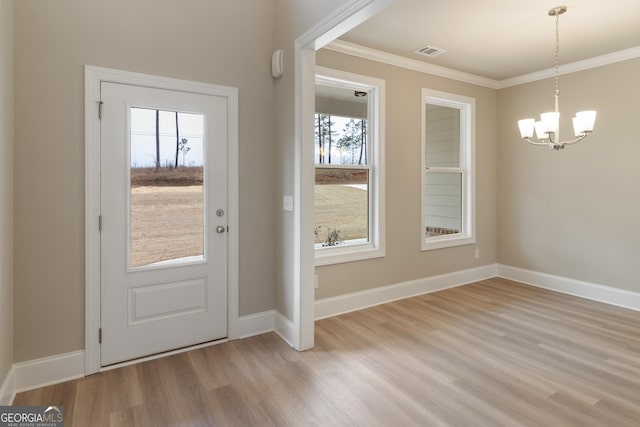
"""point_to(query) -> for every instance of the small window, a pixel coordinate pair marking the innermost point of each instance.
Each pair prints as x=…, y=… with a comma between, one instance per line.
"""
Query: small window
x=349, y=184
x=448, y=208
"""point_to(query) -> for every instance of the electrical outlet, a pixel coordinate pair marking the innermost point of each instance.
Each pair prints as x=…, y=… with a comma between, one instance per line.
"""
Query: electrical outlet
x=477, y=253
x=315, y=283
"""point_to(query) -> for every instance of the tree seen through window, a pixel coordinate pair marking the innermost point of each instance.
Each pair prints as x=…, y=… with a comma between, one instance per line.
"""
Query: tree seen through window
x=342, y=180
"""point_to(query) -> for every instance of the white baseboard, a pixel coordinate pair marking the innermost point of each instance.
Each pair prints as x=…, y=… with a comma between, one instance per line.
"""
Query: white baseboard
x=48, y=370
x=8, y=389
x=328, y=307
x=284, y=328
x=565, y=285
x=266, y=321
x=256, y=324
x=25, y=376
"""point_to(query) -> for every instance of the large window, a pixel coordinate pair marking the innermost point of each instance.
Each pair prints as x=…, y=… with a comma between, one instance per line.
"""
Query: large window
x=349, y=184
x=448, y=208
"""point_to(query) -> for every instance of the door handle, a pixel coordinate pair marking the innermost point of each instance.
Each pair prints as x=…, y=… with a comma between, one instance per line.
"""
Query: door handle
x=221, y=229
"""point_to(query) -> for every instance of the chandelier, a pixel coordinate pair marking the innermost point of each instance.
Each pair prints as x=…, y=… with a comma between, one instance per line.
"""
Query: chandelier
x=548, y=127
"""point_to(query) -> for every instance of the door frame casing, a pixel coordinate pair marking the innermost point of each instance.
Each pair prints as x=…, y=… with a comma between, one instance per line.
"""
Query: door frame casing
x=351, y=14
x=94, y=76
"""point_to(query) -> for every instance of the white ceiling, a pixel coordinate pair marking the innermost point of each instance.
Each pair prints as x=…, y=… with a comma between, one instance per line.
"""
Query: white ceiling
x=501, y=39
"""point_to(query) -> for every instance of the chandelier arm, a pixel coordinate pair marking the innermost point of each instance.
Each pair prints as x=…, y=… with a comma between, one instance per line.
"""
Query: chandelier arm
x=530, y=141
x=551, y=141
x=576, y=140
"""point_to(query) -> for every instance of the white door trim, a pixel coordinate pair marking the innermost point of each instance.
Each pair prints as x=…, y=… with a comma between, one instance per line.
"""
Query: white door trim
x=93, y=77
x=347, y=17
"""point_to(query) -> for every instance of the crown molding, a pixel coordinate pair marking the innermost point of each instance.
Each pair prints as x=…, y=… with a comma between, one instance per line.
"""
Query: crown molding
x=353, y=49
x=359, y=51
x=573, y=67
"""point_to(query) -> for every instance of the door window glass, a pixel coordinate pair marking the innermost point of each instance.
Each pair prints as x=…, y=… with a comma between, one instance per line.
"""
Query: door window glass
x=166, y=187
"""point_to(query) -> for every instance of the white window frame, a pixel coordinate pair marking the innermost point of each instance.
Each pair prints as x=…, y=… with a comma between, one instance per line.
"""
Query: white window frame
x=467, y=106
x=375, y=247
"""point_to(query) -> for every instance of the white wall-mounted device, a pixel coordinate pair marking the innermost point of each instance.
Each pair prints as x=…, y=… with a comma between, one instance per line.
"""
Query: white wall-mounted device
x=277, y=68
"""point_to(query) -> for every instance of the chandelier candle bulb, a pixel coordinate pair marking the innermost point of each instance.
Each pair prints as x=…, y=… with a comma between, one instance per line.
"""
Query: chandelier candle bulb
x=583, y=122
x=551, y=121
x=526, y=127
x=588, y=118
x=540, y=130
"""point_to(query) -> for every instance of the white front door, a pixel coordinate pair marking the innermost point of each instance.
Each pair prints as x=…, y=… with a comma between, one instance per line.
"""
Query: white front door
x=163, y=198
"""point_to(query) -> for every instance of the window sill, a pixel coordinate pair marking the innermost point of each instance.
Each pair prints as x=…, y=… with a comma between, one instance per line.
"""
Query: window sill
x=347, y=253
x=447, y=241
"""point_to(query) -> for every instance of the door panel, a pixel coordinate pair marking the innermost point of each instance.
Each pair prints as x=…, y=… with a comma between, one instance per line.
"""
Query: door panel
x=164, y=300
x=163, y=257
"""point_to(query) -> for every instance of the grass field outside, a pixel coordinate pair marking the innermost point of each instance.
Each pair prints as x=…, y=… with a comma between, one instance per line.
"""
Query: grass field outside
x=167, y=214
x=341, y=208
x=167, y=177
x=341, y=204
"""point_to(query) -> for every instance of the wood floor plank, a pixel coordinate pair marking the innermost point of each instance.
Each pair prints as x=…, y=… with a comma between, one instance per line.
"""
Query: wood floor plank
x=491, y=353
x=95, y=395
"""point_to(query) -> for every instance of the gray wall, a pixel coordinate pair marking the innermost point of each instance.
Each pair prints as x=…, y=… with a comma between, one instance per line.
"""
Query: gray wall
x=221, y=42
x=404, y=260
x=6, y=187
x=574, y=213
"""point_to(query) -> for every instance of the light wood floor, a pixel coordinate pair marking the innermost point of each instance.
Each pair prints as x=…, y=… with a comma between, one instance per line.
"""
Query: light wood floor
x=493, y=353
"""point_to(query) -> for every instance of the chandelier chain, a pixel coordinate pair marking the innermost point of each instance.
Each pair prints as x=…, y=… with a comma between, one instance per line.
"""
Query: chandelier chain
x=557, y=59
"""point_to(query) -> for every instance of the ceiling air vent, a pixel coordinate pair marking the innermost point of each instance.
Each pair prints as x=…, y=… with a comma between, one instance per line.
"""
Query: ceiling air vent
x=430, y=51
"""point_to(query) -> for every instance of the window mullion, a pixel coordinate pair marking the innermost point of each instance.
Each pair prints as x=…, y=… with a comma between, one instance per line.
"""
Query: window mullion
x=338, y=166
x=443, y=169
